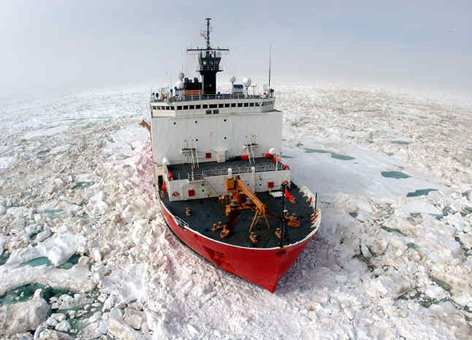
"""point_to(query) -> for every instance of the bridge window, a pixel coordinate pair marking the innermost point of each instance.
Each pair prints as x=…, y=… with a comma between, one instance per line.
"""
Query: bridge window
x=240, y=104
x=226, y=105
x=179, y=107
x=257, y=104
x=172, y=108
x=246, y=104
x=197, y=107
x=213, y=106
x=192, y=107
x=215, y=112
x=251, y=104
x=221, y=105
x=185, y=107
x=204, y=106
x=208, y=112
x=233, y=104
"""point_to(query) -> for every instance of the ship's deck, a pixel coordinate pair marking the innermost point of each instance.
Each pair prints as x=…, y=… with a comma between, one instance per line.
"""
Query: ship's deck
x=207, y=211
x=182, y=171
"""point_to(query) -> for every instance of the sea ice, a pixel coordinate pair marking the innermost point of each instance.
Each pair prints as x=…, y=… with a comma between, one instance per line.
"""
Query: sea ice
x=383, y=265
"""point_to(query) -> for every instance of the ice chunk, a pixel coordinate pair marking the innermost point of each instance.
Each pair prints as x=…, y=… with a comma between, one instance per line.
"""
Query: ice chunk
x=23, y=316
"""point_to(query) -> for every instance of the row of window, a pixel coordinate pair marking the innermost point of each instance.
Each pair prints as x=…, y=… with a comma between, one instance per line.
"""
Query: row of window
x=209, y=106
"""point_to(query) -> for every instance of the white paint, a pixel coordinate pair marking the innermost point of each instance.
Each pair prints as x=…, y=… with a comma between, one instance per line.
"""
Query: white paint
x=213, y=133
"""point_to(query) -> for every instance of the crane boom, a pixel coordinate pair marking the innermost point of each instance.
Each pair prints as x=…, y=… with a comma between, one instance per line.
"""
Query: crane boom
x=241, y=194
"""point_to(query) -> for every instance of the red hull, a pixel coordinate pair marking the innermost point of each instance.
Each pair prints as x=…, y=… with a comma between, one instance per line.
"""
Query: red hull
x=263, y=267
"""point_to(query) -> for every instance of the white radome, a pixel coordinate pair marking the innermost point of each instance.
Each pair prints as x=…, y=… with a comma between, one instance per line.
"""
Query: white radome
x=181, y=75
x=232, y=79
x=180, y=85
x=247, y=82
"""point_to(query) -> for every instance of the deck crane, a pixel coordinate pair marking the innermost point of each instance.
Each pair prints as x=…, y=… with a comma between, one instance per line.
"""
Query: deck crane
x=244, y=199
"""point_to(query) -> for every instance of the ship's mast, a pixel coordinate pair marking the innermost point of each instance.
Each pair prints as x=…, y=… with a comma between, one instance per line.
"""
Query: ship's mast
x=270, y=62
x=209, y=62
x=208, y=33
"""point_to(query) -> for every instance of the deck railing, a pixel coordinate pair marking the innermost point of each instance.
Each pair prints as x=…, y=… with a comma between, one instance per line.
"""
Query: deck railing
x=211, y=97
x=236, y=170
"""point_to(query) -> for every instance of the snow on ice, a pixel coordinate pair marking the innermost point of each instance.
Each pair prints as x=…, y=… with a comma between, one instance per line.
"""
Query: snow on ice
x=81, y=233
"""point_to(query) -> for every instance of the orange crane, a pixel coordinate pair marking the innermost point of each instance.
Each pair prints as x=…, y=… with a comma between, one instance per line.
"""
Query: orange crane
x=243, y=198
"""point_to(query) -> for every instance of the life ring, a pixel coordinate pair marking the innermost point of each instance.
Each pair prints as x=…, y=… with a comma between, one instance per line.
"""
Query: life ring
x=175, y=193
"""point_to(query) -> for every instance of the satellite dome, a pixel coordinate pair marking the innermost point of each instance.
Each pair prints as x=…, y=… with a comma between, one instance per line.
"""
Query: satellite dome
x=180, y=85
x=247, y=82
x=181, y=75
x=232, y=79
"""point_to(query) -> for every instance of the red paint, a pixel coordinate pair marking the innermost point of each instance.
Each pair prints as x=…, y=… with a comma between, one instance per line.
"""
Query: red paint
x=208, y=155
x=270, y=184
x=286, y=167
x=170, y=176
x=275, y=159
x=191, y=192
x=244, y=157
x=269, y=155
x=263, y=267
x=163, y=187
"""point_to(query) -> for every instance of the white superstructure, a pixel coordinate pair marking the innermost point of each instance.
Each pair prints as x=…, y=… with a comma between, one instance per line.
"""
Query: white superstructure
x=198, y=135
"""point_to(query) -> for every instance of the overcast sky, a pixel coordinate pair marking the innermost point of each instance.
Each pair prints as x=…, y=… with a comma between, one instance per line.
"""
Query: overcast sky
x=56, y=46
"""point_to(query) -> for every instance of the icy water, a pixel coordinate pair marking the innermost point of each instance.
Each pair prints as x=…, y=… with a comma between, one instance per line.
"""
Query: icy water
x=420, y=192
x=26, y=292
x=333, y=154
x=37, y=262
x=395, y=174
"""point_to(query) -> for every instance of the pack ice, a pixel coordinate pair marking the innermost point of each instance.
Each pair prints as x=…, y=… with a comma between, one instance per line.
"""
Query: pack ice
x=85, y=253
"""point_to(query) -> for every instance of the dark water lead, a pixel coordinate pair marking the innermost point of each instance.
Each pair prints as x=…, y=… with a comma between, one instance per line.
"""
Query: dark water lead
x=333, y=154
x=74, y=259
x=395, y=174
x=39, y=261
x=82, y=185
x=420, y=192
x=393, y=230
x=413, y=246
x=400, y=142
x=26, y=292
x=436, y=216
x=466, y=211
x=4, y=258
